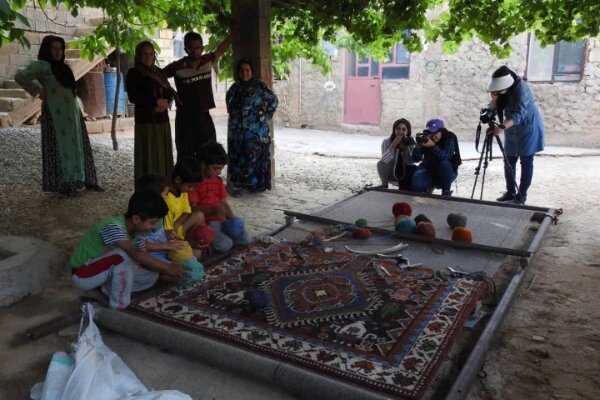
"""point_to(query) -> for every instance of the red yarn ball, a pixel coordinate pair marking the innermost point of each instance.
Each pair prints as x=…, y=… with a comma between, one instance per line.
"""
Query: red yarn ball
x=361, y=233
x=403, y=208
x=202, y=235
x=426, y=228
x=461, y=234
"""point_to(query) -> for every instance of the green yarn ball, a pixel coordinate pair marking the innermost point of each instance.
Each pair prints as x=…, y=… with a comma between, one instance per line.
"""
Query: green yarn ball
x=360, y=222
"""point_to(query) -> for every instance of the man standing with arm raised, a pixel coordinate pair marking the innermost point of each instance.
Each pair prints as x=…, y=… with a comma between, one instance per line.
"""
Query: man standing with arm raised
x=193, y=78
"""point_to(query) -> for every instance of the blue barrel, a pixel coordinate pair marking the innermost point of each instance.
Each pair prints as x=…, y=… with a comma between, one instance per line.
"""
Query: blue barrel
x=110, y=86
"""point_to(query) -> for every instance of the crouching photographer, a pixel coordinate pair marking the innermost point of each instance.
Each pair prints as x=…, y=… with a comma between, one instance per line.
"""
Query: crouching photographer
x=437, y=149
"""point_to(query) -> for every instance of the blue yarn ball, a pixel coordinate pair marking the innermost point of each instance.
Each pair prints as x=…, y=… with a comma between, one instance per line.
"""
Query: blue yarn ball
x=233, y=227
x=405, y=225
x=195, y=270
x=258, y=298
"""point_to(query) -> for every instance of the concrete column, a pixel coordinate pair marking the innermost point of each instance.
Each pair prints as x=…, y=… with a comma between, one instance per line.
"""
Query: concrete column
x=252, y=40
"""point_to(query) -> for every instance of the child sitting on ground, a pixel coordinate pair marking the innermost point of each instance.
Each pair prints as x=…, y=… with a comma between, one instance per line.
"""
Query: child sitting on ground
x=158, y=243
x=110, y=253
x=210, y=197
x=180, y=220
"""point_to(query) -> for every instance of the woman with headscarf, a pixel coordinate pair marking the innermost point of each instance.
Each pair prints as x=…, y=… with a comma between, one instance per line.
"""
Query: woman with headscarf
x=251, y=105
x=67, y=161
x=396, y=164
x=148, y=88
x=523, y=130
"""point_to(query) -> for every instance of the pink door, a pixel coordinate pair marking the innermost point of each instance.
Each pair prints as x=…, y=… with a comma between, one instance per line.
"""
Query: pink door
x=362, y=98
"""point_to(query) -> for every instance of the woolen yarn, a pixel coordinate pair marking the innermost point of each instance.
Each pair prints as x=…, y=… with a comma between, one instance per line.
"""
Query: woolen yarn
x=401, y=208
x=233, y=227
x=461, y=234
x=361, y=233
x=426, y=229
x=422, y=218
x=405, y=225
x=456, y=219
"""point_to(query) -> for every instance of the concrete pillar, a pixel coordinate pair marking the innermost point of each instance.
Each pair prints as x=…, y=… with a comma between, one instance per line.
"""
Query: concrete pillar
x=252, y=39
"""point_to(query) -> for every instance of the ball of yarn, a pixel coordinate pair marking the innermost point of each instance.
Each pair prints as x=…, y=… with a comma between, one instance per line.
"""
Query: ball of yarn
x=361, y=233
x=361, y=222
x=461, y=234
x=195, y=270
x=401, y=208
x=233, y=227
x=456, y=219
x=202, y=235
x=257, y=297
x=426, y=228
x=405, y=225
x=421, y=218
x=180, y=255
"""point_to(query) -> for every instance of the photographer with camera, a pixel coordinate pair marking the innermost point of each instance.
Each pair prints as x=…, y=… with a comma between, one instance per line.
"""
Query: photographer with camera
x=437, y=149
x=396, y=164
x=523, y=130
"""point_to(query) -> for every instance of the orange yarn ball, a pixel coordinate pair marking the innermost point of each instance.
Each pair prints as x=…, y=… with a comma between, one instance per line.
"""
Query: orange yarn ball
x=461, y=234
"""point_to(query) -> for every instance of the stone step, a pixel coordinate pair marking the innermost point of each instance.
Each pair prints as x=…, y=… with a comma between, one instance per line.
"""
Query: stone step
x=19, y=93
x=5, y=120
x=10, y=103
x=10, y=84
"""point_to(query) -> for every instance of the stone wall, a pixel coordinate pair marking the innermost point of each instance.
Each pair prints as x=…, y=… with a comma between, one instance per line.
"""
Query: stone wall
x=57, y=21
x=451, y=87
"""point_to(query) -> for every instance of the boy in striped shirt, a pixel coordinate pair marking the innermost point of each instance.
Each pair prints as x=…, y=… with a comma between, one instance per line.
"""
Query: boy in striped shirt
x=109, y=255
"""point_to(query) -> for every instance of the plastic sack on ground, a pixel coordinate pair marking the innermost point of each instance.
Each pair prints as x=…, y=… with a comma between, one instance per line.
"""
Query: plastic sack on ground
x=94, y=373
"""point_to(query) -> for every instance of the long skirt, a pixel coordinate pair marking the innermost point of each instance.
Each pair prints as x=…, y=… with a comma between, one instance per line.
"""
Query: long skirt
x=249, y=164
x=153, y=150
x=52, y=171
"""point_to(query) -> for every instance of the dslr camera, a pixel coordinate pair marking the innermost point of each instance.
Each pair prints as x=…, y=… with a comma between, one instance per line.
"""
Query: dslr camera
x=422, y=137
x=487, y=115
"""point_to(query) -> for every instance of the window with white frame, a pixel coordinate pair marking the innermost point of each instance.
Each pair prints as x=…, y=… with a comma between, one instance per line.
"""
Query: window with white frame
x=560, y=62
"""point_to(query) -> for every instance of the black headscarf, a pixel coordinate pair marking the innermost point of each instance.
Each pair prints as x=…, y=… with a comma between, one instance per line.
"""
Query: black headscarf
x=61, y=71
x=153, y=72
x=237, y=99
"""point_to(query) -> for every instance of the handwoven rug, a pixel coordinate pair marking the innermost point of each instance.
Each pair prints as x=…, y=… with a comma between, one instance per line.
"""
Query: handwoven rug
x=354, y=317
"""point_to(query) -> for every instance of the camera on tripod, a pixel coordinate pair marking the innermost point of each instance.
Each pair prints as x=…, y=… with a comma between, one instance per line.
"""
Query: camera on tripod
x=422, y=137
x=487, y=114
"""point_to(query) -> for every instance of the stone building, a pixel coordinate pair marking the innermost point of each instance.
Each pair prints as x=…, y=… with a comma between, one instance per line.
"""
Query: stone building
x=362, y=95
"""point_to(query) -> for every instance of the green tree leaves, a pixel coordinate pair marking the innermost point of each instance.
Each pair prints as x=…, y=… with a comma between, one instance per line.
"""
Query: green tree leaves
x=365, y=26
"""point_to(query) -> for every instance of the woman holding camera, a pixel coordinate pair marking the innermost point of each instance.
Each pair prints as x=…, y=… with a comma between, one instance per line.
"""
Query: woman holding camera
x=523, y=130
x=440, y=158
x=396, y=164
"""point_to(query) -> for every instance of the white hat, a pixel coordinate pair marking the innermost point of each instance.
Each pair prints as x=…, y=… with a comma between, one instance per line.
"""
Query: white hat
x=500, y=83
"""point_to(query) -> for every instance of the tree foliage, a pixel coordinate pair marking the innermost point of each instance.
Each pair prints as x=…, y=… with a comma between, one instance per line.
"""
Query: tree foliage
x=365, y=26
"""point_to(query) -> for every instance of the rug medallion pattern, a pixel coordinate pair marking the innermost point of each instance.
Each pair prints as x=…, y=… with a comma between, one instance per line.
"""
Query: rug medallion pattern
x=354, y=317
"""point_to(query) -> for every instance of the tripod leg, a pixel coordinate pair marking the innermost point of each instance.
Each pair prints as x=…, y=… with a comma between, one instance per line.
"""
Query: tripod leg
x=478, y=168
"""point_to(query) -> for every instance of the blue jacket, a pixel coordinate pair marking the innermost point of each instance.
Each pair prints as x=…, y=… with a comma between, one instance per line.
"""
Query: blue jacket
x=526, y=136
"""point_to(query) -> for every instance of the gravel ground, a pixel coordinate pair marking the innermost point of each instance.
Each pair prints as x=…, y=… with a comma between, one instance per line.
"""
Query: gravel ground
x=558, y=302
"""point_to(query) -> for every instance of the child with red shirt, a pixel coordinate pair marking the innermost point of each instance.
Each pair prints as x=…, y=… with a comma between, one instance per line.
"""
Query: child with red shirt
x=210, y=197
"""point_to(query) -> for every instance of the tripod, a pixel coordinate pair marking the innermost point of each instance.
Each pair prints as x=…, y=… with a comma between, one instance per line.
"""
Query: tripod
x=486, y=155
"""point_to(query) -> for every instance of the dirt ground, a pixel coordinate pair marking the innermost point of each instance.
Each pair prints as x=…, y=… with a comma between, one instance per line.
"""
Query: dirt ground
x=548, y=347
